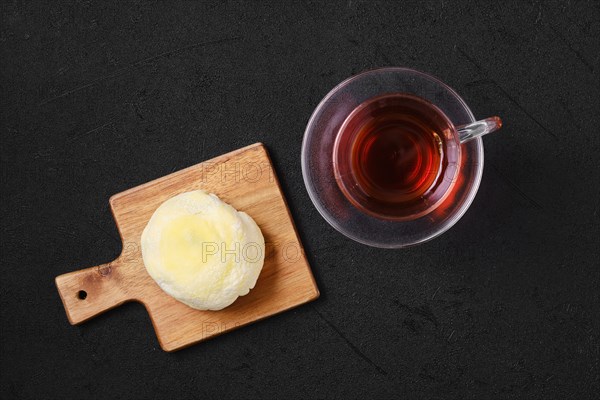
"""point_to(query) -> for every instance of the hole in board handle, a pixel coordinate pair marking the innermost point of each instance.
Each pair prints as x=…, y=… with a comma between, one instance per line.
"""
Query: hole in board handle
x=81, y=295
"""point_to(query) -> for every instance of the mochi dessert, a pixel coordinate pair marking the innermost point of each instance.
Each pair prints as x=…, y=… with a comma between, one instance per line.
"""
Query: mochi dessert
x=202, y=251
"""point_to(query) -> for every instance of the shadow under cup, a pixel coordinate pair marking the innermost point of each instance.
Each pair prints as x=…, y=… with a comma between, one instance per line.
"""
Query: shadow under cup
x=396, y=157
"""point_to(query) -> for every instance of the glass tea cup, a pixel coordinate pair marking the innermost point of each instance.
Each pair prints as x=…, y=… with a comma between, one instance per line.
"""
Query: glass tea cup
x=393, y=157
x=397, y=156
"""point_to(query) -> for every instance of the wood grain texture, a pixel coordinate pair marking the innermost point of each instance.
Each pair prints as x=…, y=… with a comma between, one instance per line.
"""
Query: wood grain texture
x=243, y=178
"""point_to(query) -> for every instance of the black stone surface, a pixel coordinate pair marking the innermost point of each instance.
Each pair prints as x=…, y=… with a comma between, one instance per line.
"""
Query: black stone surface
x=98, y=97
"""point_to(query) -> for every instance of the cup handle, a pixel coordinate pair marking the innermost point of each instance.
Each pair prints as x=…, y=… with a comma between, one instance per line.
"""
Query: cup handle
x=478, y=128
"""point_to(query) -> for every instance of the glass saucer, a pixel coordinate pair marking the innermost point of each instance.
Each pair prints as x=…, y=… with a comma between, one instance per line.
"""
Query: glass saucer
x=317, y=153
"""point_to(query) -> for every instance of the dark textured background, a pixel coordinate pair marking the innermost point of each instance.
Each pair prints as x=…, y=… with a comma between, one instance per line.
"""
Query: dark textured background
x=100, y=97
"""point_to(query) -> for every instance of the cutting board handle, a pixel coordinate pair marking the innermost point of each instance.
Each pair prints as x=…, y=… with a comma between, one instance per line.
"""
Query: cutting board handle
x=91, y=291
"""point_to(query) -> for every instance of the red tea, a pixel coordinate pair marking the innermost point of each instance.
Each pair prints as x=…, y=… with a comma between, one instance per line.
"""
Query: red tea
x=396, y=156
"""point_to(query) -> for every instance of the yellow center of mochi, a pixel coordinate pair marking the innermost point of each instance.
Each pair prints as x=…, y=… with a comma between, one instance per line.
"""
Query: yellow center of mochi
x=188, y=245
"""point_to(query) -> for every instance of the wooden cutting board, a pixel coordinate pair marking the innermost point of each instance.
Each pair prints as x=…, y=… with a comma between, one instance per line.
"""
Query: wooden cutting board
x=243, y=178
